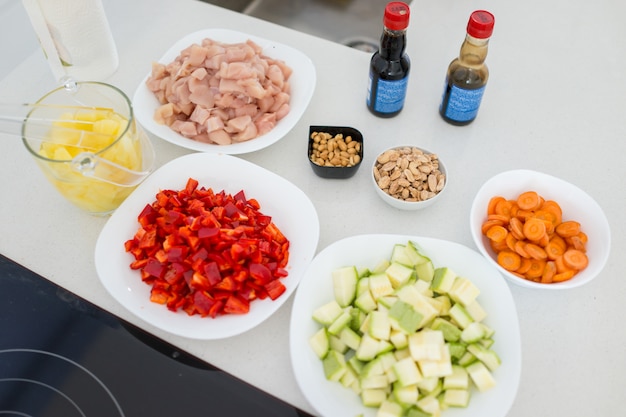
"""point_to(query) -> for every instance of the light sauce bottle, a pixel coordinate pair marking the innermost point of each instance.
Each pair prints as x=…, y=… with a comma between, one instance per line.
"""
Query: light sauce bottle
x=467, y=75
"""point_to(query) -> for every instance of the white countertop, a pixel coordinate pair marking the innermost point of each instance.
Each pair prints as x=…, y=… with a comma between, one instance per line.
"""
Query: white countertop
x=554, y=103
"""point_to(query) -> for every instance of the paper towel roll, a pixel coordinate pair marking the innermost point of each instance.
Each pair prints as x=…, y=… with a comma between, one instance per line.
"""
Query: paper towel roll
x=75, y=37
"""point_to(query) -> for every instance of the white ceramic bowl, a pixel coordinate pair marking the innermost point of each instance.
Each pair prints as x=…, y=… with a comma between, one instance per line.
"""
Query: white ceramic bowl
x=302, y=82
x=402, y=204
x=576, y=204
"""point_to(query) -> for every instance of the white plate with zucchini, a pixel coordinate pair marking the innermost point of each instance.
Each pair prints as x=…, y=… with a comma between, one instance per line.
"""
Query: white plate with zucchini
x=461, y=275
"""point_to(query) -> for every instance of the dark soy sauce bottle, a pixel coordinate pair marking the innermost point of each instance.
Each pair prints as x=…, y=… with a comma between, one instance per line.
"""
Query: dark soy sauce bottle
x=467, y=75
x=389, y=66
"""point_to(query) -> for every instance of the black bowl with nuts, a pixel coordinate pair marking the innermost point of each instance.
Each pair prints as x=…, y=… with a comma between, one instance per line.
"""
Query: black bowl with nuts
x=335, y=151
x=408, y=177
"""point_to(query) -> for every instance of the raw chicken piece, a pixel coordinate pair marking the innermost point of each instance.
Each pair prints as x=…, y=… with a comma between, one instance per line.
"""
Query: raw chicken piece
x=221, y=93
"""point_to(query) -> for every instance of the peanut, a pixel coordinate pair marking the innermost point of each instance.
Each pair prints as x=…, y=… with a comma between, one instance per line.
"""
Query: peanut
x=334, y=151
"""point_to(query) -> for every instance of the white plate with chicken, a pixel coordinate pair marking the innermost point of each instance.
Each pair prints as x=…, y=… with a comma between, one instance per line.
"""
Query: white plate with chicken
x=220, y=90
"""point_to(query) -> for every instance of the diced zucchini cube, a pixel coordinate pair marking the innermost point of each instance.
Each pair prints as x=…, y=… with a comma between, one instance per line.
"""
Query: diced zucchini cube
x=339, y=323
x=399, y=274
x=350, y=338
x=456, y=397
x=463, y=291
x=405, y=317
x=399, y=339
x=429, y=404
x=405, y=395
x=327, y=313
x=451, y=333
x=365, y=302
x=374, y=381
x=407, y=372
x=349, y=377
x=459, y=314
x=430, y=385
x=368, y=349
x=457, y=350
x=425, y=271
x=334, y=365
x=439, y=368
x=480, y=375
x=476, y=311
x=344, y=284
x=473, y=333
x=319, y=343
x=442, y=280
x=487, y=356
x=337, y=344
x=389, y=409
x=373, y=397
x=458, y=379
x=379, y=325
x=426, y=345
x=380, y=285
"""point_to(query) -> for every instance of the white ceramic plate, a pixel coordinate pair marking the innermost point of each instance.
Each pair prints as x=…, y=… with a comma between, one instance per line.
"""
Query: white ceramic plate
x=331, y=399
x=302, y=82
x=290, y=209
x=576, y=204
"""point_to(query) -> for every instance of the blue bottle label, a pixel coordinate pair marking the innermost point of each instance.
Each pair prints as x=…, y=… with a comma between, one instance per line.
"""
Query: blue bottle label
x=389, y=95
x=463, y=104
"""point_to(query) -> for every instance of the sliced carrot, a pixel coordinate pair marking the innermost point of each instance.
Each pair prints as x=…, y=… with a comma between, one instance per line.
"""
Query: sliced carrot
x=498, y=246
x=568, y=228
x=535, y=251
x=560, y=265
x=511, y=241
x=528, y=200
x=536, y=268
x=554, y=250
x=504, y=207
x=517, y=228
x=564, y=276
x=491, y=207
x=553, y=207
x=547, y=219
x=524, y=266
x=558, y=240
x=523, y=214
x=499, y=217
x=520, y=246
x=497, y=233
x=549, y=271
x=534, y=229
x=509, y=260
x=575, y=259
x=487, y=225
x=576, y=243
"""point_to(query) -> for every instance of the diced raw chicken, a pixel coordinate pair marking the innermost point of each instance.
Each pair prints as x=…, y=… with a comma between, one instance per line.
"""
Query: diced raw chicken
x=221, y=93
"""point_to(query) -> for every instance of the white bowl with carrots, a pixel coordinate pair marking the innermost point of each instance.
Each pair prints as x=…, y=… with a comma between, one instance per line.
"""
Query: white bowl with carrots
x=540, y=231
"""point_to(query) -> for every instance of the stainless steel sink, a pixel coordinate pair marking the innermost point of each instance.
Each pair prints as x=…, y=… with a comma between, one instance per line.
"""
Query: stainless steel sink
x=357, y=23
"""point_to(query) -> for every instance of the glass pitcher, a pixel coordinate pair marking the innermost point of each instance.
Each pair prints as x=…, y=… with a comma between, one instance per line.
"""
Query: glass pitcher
x=84, y=137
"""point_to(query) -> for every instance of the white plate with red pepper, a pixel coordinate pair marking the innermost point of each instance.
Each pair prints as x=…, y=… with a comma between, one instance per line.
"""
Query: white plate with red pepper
x=208, y=246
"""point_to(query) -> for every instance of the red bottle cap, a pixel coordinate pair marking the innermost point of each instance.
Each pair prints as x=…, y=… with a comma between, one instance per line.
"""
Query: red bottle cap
x=480, y=24
x=396, y=15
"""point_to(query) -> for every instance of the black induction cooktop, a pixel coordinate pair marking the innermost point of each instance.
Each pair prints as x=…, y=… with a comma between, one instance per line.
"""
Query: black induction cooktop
x=61, y=356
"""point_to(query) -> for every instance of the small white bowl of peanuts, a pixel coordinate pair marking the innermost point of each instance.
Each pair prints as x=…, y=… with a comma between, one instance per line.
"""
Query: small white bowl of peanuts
x=408, y=177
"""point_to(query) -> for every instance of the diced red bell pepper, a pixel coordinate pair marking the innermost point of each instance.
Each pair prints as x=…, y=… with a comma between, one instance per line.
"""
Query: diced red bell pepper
x=208, y=253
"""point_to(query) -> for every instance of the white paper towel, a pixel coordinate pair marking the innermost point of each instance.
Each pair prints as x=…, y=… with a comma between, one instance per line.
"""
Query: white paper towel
x=75, y=37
